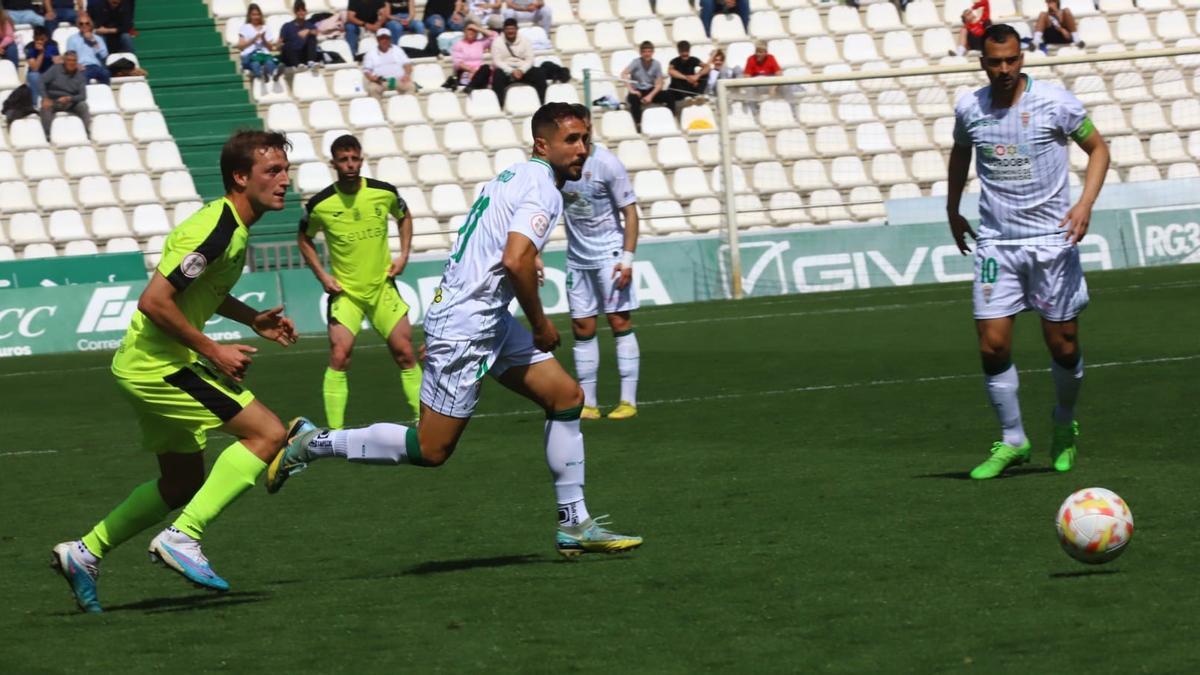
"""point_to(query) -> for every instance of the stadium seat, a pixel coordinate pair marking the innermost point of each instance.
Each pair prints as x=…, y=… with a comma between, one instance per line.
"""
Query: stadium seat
x=482, y=104
x=1090, y=89
x=650, y=30
x=521, y=100
x=932, y=102
x=750, y=210
x=1110, y=119
x=1129, y=88
x=26, y=133
x=81, y=247
x=135, y=97
x=40, y=163
x=428, y=76
x=922, y=14
x=348, y=83
x=68, y=131
x=776, y=114
x=785, y=52
x=1183, y=170
x=67, y=225
x=883, y=17
x=96, y=191
x=100, y=99
x=1080, y=8
x=1111, y=7
x=448, y=200
x=395, y=170
x=54, y=193
x=687, y=182
x=1166, y=148
x=562, y=92
x=26, y=228
x=506, y=158
x=34, y=251
x=302, y=148
x=910, y=135
x=821, y=50
x=596, y=11
x=571, y=39
x=404, y=110
x=313, y=177
x=420, y=139
x=471, y=166
x=767, y=25
x=899, y=45
x=365, y=112
x=136, y=188
x=434, y=169
x=150, y=220
x=866, y=202
x=805, y=22
x=1147, y=118
x=651, y=185
x=1169, y=85
x=499, y=133
x=8, y=75
x=309, y=85
x=325, y=114
x=894, y=106
x=150, y=126
x=635, y=154
x=928, y=166
x=814, y=111
x=872, y=138
x=859, y=48
x=848, y=172
x=658, y=122
x=672, y=152
x=121, y=245
x=827, y=205
x=843, y=20
x=1172, y=25
x=284, y=117
x=617, y=125
x=770, y=177
x=163, y=156
x=786, y=208
x=792, y=144
x=752, y=146
x=122, y=158
x=227, y=9
x=443, y=106
x=698, y=119
x=1185, y=114
x=708, y=149
x=809, y=174
x=1094, y=30
x=689, y=28
x=889, y=168
x=177, y=186
x=8, y=167
x=666, y=217
x=936, y=42
x=379, y=142
x=831, y=140
x=459, y=137
x=1143, y=173
x=726, y=28
x=184, y=210
x=109, y=222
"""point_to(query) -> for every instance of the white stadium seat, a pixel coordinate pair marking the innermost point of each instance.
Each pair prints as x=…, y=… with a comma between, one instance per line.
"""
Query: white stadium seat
x=27, y=228
x=96, y=191
x=136, y=188
x=80, y=161
x=150, y=220
x=122, y=158
x=67, y=225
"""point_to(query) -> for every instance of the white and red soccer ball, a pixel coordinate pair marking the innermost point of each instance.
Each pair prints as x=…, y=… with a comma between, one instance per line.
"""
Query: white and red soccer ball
x=1094, y=525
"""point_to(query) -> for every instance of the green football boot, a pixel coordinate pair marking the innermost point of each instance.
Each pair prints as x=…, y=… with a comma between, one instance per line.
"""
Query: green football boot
x=1003, y=456
x=1062, y=449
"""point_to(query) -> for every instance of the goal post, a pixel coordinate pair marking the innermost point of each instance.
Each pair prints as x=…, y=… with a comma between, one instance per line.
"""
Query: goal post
x=833, y=147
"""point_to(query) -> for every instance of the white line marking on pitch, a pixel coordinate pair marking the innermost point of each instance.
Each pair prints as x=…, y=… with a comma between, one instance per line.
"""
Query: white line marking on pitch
x=27, y=452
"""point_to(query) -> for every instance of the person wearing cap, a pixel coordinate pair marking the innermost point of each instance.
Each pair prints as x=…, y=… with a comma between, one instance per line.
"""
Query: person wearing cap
x=387, y=67
x=512, y=63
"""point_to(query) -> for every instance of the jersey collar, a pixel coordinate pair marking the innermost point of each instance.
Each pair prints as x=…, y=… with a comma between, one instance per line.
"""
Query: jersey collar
x=233, y=209
x=539, y=160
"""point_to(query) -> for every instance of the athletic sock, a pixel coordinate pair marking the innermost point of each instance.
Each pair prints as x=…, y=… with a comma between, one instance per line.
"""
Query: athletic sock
x=587, y=365
x=1067, y=382
x=1002, y=391
x=141, y=509
x=337, y=391
x=234, y=472
x=410, y=380
x=960, y=50
x=628, y=364
x=564, y=456
x=380, y=443
x=1037, y=39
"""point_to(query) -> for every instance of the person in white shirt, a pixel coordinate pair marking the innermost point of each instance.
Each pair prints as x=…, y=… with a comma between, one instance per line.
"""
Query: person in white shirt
x=469, y=334
x=387, y=67
x=255, y=41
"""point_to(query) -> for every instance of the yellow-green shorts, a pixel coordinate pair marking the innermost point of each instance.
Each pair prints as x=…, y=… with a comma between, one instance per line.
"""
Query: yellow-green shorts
x=384, y=308
x=176, y=411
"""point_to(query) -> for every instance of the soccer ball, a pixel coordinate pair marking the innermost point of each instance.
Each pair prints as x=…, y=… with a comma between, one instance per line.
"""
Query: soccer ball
x=1094, y=525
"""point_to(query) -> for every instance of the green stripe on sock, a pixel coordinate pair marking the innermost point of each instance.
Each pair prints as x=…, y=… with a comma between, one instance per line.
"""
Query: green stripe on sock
x=566, y=415
x=580, y=338
x=412, y=448
x=622, y=333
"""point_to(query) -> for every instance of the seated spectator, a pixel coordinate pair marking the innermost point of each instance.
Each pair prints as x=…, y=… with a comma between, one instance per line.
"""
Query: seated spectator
x=90, y=50
x=688, y=74
x=970, y=36
x=8, y=39
x=644, y=78
x=709, y=8
x=1055, y=26
x=39, y=56
x=363, y=15
x=64, y=89
x=114, y=23
x=469, y=55
x=401, y=19
x=62, y=12
x=512, y=63
x=444, y=15
x=387, y=67
x=486, y=13
x=298, y=40
x=22, y=11
x=529, y=10
x=255, y=45
x=760, y=63
x=717, y=70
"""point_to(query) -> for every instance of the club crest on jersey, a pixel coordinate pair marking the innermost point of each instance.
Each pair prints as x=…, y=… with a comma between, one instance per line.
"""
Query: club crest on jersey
x=540, y=223
x=193, y=264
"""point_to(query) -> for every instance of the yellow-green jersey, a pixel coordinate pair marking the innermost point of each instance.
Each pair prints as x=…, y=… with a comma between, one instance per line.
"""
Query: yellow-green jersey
x=356, y=232
x=203, y=259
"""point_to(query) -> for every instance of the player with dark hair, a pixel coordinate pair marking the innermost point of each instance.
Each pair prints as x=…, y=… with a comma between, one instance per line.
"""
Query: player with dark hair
x=1026, y=256
x=353, y=212
x=469, y=333
x=181, y=383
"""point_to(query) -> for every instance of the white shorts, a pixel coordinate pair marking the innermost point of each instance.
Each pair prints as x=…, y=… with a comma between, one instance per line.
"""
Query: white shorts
x=454, y=369
x=1014, y=279
x=592, y=292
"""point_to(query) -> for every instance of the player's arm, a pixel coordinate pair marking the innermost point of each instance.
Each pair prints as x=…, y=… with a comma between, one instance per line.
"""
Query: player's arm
x=622, y=190
x=308, y=251
x=520, y=263
x=270, y=324
x=1079, y=217
x=960, y=164
x=406, y=235
x=158, y=304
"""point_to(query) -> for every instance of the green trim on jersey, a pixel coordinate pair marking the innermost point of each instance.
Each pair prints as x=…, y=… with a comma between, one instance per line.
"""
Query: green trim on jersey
x=1085, y=130
x=356, y=232
x=202, y=258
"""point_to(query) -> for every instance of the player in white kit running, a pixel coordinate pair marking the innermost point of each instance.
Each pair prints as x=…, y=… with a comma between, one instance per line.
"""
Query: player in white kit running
x=602, y=232
x=1026, y=256
x=469, y=333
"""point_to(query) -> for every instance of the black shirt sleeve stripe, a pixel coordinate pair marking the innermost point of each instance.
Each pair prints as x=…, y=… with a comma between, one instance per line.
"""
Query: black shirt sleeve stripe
x=320, y=197
x=211, y=249
x=382, y=185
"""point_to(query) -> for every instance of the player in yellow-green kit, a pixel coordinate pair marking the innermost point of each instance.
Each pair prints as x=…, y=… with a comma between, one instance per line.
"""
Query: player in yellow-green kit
x=353, y=213
x=181, y=383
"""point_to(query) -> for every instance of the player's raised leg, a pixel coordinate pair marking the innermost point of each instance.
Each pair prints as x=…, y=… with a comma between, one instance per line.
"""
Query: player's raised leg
x=1066, y=367
x=628, y=364
x=587, y=363
x=335, y=389
x=1000, y=377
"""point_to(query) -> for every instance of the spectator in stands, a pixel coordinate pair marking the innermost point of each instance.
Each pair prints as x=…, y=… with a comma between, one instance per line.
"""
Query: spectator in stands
x=22, y=12
x=487, y=13
x=8, y=38
x=298, y=40
x=761, y=63
x=444, y=15
x=255, y=44
x=469, y=55
x=688, y=73
x=401, y=19
x=114, y=23
x=1055, y=26
x=363, y=15
x=717, y=70
x=40, y=55
x=644, y=78
x=512, y=63
x=529, y=10
x=60, y=12
x=64, y=89
x=91, y=51
x=975, y=21
x=387, y=67
x=709, y=8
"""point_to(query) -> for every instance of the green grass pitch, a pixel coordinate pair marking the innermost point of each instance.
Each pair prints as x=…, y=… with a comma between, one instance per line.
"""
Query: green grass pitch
x=797, y=469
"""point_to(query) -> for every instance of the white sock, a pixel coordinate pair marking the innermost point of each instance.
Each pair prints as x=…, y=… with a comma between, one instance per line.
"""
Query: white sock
x=587, y=365
x=88, y=557
x=380, y=443
x=564, y=456
x=1002, y=391
x=1067, y=382
x=960, y=50
x=628, y=363
x=1037, y=38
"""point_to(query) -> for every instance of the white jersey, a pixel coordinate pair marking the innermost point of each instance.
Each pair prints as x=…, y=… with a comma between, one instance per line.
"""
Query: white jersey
x=474, y=293
x=595, y=233
x=1021, y=157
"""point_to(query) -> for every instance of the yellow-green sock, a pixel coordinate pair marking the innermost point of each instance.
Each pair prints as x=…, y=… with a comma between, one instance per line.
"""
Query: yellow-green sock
x=337, y=391
x=410, y=379
x=234, y=472
x=141, y=509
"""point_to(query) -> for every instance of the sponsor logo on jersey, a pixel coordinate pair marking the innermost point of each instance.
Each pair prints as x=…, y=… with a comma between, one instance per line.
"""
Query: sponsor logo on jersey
x=193, y=264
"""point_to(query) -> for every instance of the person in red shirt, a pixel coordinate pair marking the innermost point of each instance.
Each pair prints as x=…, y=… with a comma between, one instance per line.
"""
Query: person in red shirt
x=761, y=63
x=975, y=22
